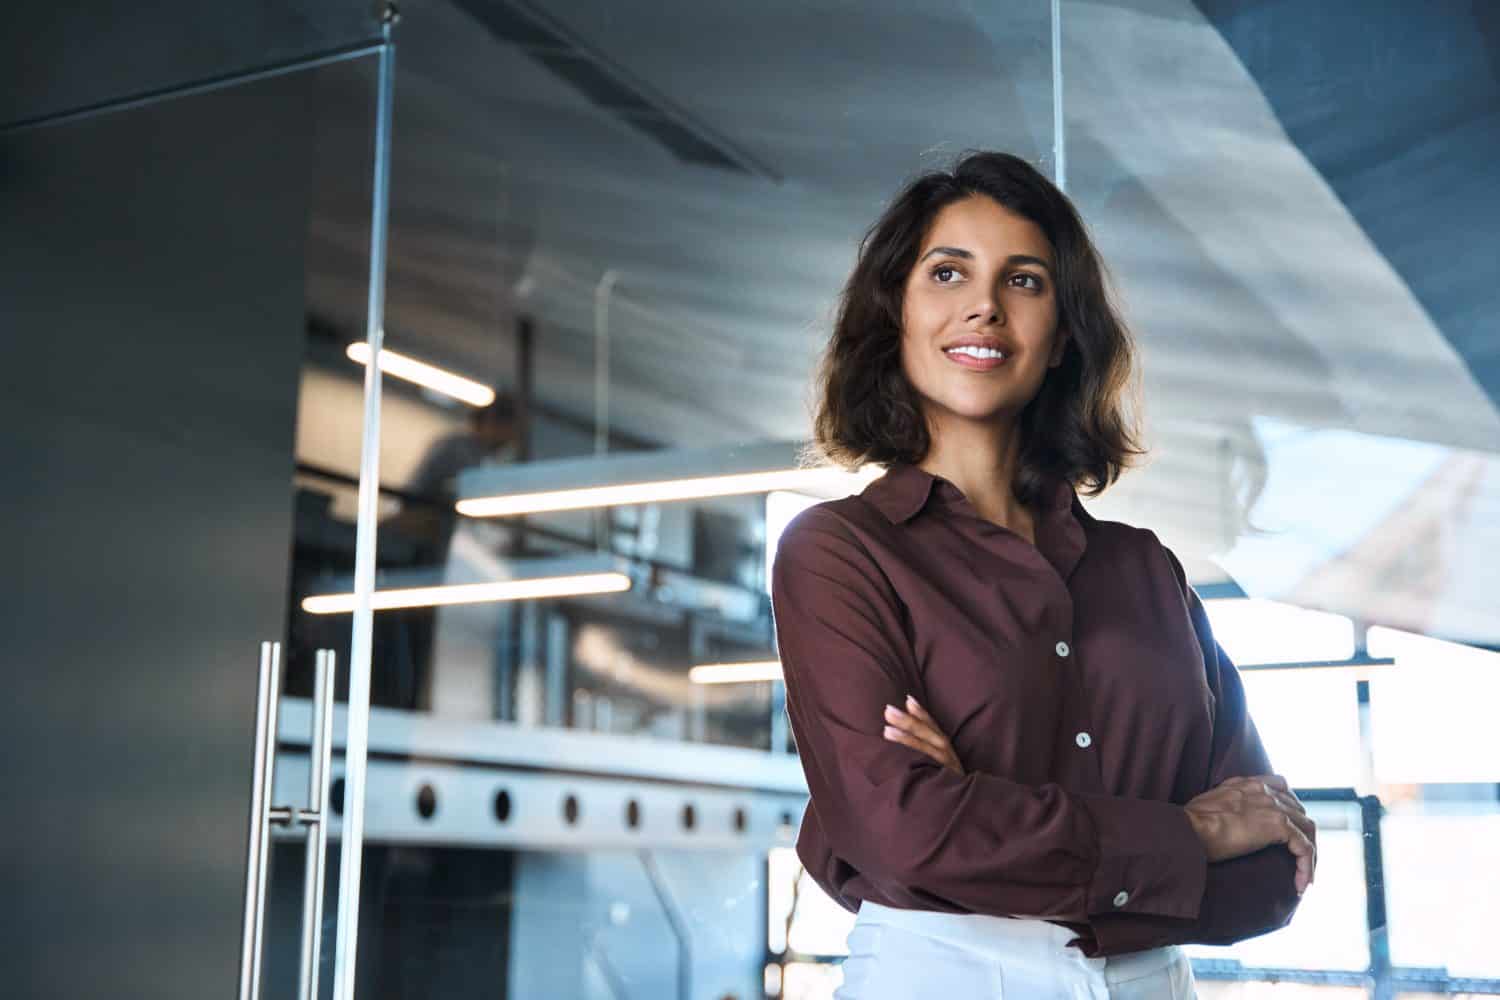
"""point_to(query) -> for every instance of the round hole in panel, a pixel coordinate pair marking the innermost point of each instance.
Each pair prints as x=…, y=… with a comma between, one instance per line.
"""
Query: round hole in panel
x=426, y=802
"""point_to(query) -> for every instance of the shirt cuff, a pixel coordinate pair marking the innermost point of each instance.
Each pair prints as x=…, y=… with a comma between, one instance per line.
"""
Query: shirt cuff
x=1150, y=859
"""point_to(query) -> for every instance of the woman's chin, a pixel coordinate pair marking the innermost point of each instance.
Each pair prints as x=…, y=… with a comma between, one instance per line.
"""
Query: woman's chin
x=987, y=411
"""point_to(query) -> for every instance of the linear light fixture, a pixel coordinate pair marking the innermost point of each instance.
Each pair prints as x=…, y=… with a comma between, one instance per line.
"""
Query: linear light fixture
x=434, y=378
x=648, y=477
x=525, y=579
x=736, y=673
x=1359, y=668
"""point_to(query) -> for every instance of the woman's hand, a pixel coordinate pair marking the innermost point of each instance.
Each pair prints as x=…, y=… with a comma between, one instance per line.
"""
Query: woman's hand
x=916, y=729
x=1245, y=814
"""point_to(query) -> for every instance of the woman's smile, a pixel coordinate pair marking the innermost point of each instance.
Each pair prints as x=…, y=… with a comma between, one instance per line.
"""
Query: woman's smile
x=981, y=359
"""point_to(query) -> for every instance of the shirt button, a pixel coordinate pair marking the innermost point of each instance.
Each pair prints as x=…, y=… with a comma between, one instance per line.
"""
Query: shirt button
x=1084, y=740
x=1121, y=898
x=1062, y=649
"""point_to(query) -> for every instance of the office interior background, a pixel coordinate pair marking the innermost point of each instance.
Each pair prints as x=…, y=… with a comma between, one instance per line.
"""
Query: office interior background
x=298, y=706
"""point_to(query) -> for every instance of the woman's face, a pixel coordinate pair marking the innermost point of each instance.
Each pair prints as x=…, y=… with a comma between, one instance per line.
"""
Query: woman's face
x=983, y=277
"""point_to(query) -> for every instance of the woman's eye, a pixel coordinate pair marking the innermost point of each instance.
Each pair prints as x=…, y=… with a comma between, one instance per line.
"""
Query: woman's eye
x=1036, y=283
x=944, y=273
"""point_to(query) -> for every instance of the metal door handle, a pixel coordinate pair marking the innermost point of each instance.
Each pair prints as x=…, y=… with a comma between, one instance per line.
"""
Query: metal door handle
x=267, y=699
x=320, y=757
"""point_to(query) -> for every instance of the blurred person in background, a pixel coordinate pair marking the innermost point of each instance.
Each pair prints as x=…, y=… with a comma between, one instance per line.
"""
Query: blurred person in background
x=492, y=435
x=425, y=526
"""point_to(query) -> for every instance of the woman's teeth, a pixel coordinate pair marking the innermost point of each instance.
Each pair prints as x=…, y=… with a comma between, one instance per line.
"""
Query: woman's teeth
x=976, y=352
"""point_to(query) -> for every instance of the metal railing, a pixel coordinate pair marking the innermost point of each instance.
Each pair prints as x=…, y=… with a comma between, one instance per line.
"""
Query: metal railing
x=1380, y=977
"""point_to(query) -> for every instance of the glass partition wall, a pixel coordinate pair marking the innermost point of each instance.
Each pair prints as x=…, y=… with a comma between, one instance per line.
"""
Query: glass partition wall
x=1322, y=414
x=617, y=235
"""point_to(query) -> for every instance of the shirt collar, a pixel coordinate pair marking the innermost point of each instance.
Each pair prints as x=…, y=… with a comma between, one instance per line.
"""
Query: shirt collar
x=905, y=490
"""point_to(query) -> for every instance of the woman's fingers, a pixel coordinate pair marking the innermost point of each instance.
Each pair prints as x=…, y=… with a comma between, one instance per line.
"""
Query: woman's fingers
x=924, y=725
x=915, y=708
x=922, y=746
x=1305, y=852
x=921, y=734
x=1291, y=825
x=1291, y=807
x=923, y=731
x=1253, y=811
x=1288, y=801
x=907, y=739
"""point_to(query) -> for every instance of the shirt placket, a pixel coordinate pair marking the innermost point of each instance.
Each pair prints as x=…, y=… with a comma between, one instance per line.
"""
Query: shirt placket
x=1078, y=742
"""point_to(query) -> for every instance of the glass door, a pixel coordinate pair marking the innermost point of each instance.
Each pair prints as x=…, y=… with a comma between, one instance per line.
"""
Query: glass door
x=182, y=439
x=618, y=232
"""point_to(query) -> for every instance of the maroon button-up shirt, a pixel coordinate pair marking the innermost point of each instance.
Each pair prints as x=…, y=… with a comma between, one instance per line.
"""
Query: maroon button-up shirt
x=1080, y=685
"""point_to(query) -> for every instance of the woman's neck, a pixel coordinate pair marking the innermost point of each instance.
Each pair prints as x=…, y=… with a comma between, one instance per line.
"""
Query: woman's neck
x=982, y=463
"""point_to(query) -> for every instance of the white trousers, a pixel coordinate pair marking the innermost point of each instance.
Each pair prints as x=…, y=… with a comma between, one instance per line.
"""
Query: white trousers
x=907, y=954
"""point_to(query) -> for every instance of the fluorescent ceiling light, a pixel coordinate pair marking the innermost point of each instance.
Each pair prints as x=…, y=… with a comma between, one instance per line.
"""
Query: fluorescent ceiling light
x=519, y=580
x=736, y=673
x=1355, y=669
x=412, y=370
x=472, y=593
x=648, y=477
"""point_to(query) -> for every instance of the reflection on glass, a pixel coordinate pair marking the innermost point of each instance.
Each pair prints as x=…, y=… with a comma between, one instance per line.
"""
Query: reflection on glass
x=340, y=108
x=632, y=237
x=628, y=245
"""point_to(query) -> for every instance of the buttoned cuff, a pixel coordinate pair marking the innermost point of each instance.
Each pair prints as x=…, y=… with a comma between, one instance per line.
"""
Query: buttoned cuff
x=1150, y=860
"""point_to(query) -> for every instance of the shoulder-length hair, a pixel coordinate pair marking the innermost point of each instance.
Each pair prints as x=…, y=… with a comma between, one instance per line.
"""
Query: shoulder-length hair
x=1075, y=428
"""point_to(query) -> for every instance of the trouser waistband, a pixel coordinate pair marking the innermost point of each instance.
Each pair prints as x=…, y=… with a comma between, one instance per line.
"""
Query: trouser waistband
x=1012, y=940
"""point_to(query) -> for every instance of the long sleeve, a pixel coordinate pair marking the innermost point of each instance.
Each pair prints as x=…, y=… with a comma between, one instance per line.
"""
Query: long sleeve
x=1245, y=896
x=977, y=842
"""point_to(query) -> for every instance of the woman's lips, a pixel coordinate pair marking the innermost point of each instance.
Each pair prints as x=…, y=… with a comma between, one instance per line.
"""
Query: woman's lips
x=977, y=364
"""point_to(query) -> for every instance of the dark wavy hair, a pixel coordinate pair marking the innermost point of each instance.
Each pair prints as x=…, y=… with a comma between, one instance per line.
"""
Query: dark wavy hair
x=1075, y=428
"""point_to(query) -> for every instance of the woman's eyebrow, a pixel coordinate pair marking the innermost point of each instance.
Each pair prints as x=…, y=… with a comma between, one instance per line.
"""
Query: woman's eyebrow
x=948, y=252
x=1013, y=259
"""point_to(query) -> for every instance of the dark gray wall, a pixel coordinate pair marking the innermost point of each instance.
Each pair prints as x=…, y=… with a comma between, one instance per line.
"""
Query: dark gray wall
x=62, y=56
x=151, y=318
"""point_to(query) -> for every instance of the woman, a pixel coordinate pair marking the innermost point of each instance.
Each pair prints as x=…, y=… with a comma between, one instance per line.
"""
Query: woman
x=1031, y=768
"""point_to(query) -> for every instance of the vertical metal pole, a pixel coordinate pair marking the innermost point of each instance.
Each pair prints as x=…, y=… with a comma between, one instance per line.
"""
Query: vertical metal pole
x=602, y=295
x=675, y=920
x=1367, y=783
x=320, y=756
x=1059, y=143
x=262, y=784
x=1371, y=812
x=555, y=693
x=356, y=743
x=525, y=373
x=778, y=718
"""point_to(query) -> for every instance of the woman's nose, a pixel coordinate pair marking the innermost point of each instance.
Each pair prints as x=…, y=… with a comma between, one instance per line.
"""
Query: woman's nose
x=986, y=311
